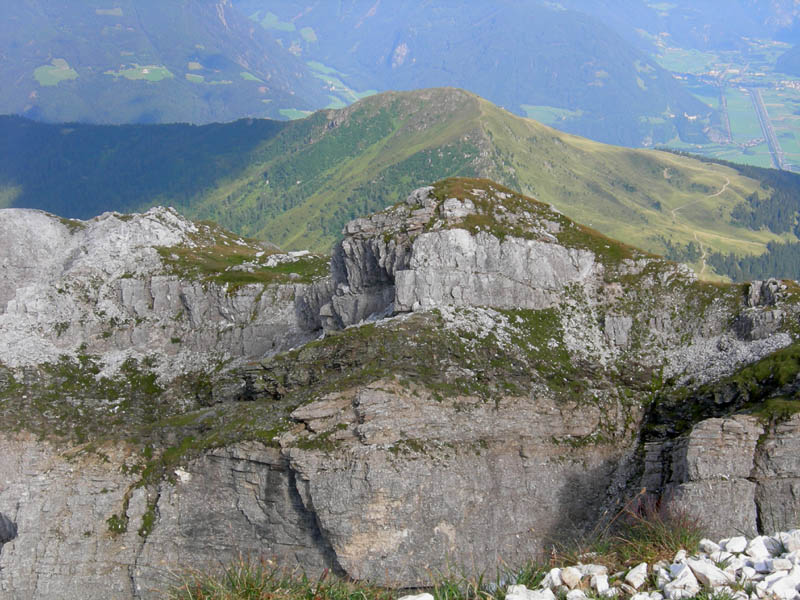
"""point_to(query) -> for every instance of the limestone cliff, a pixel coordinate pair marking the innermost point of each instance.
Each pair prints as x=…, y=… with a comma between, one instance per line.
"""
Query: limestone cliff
x=127, y=286
x=477, y=378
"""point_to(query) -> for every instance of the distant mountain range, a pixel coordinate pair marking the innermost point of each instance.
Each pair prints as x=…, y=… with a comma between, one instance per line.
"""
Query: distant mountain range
x=524, y=56
x=145, y=61
x=201, y=61
x=296, y=183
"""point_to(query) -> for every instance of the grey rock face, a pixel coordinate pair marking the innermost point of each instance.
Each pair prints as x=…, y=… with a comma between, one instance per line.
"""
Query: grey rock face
x=732, y=474
x=242, y=500
x=8, y=529
x=764, y=293
x=60, y=503
x=453, y=267
x=103, y=283
x=364, y=264
x=778, y=476
x=390, y=262
x=238, y=501
x=464, y=479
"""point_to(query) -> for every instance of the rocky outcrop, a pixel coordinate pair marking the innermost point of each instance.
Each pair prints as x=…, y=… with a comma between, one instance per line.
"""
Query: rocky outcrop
x=749, y=469
x=59, y=503
x=411, y=258
x=484, y=246
x=243, y=500
x=112, y=287
x=776, y=474
x=715, y=459
x=453, y=267
x=492, y=378
x=461, y=478
x=364, y=263
x=77, y=520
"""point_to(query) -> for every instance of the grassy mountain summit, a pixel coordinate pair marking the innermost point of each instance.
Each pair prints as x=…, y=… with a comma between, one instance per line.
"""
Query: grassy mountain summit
x=297, y=183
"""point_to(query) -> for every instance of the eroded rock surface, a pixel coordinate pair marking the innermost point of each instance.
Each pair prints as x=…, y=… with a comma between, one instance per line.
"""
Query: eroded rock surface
x=749, y=468
x=103, y=287
x=413, y=480
x=487, y=376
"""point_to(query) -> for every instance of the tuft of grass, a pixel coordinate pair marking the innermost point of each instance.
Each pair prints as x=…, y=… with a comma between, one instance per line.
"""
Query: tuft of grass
x=245, y=579
x=652, y=533
x=776, y=410
x=643, y=531
x=263, y=580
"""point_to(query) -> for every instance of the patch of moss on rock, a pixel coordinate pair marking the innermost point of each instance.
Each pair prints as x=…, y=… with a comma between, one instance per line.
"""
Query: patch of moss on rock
x=769, y=388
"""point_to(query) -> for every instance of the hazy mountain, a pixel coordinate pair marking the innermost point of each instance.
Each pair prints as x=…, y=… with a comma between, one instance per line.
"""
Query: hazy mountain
x=145, y=61
x=296, y=183
x=693, y=24
x=789, y=61
x=515, y=54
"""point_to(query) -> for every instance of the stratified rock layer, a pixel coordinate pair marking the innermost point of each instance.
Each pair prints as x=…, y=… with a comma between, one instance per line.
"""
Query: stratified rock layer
x=103, y=283
x=488, y=378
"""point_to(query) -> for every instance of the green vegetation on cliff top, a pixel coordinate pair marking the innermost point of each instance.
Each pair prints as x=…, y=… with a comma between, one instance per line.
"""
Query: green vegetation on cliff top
x=218, y=256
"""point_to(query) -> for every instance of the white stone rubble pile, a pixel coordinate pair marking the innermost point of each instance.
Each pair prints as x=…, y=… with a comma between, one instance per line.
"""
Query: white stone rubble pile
x=763, y=568
x=262, y=259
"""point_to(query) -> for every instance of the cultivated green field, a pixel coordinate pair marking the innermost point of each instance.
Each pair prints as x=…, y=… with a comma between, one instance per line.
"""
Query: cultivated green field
x=293, y=113
x=344, y=94
x=745, y=130
x=783, y=106
x=682, y=60
x=308, y=34
x=744, y=121
x=54, y=73
x=146, y=73
x=734, y=70
x=550, y=115
x=270, y=20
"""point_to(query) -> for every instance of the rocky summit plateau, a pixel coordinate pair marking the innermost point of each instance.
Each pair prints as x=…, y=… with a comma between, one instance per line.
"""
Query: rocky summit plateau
x=470, y=378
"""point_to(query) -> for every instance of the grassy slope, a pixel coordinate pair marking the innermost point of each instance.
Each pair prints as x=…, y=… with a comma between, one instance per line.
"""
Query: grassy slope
x=627, y=194
x=633, y=195
x=298, y=185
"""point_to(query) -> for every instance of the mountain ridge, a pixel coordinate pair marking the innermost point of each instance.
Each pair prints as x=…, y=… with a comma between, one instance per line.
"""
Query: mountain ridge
x=520, y=55
x=297, y=183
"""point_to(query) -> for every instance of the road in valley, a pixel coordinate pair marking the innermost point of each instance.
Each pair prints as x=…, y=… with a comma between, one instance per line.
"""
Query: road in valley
x=775, y=152
x=723, y=100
